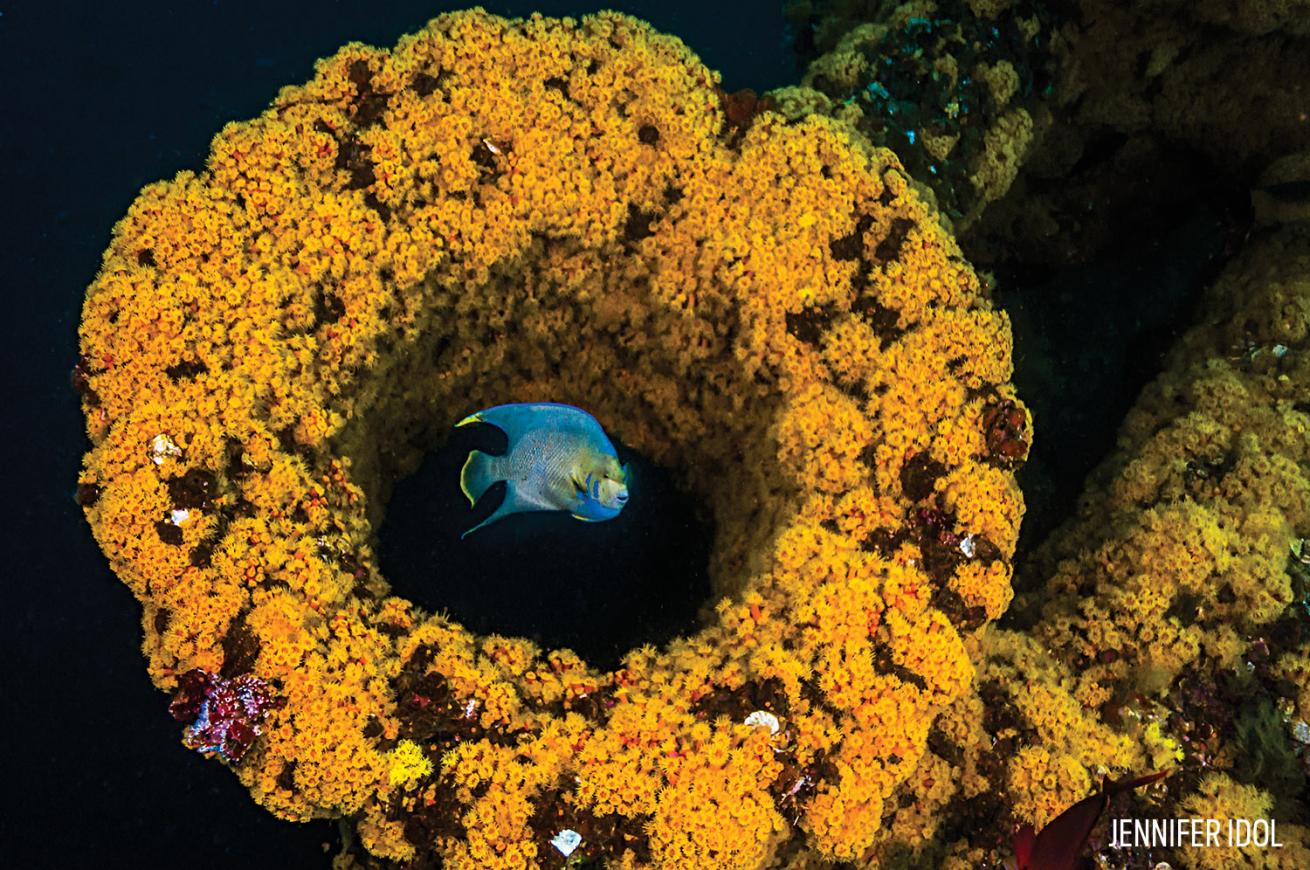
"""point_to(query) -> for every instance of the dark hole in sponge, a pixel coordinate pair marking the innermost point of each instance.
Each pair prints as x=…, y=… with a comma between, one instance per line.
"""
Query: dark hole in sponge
x=599, y=589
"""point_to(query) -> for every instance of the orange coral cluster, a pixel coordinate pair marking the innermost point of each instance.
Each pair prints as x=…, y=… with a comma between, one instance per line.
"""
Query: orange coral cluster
x=500, y=211
x=1016, y=748
x=1180, y=554
x=1164, y=618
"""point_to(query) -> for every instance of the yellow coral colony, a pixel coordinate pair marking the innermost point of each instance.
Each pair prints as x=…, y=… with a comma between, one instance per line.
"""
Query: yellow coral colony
x=1193, y=519
x=500, y=211
x=1174, y=576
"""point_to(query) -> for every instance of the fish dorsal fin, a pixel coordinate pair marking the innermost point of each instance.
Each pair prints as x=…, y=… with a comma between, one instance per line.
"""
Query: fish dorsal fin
x=517, y=420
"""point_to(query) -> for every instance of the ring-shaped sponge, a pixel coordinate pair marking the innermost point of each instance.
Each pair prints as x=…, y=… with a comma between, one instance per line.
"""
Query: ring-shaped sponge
x=544, y=209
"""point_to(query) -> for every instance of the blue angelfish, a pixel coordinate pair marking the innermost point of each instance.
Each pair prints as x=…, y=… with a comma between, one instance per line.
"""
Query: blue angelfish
x=559, y=459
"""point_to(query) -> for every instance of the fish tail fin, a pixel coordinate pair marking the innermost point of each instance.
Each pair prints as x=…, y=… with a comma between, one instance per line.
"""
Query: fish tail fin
x=478, y=474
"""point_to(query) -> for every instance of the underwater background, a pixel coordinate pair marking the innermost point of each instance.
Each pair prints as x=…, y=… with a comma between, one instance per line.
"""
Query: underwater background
x=102, y=100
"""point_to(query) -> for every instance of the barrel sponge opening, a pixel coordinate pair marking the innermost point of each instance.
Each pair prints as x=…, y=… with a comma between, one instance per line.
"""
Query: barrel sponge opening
x=499, y=211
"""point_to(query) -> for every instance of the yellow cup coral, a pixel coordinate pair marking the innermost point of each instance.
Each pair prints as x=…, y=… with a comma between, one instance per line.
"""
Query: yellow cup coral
x=408, y=763
x=500, y=211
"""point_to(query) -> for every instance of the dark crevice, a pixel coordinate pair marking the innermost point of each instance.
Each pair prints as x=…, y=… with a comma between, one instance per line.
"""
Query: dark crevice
x=809, y=324
x=889, y=249
x=638, y=224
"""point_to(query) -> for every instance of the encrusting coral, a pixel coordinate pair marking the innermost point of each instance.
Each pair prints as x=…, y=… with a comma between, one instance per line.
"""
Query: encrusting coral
x=1198, y=97
x=1167, y=626
x=1205, y=498
x=1034, y=124
x=951, y=86
x=501, y=211
x=1190, y=528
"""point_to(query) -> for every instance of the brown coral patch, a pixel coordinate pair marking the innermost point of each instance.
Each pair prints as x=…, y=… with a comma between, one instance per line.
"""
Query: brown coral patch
x=169, y=532
x=796, y=783
x=88, y=494
x=606, y=836
x=885, y=663
x=809, y=324
x=1005, y=430
x=919, y=476
x=186, y=369
x=885, y=321
x=369, y=103
x=889, y=248
x=963, y=616
x=426, y=822
x=638, y=224
x=240, y=648
x=740, y=108
x=194, y=490
x=851, y=247
x=353, y=159
x=736, y=704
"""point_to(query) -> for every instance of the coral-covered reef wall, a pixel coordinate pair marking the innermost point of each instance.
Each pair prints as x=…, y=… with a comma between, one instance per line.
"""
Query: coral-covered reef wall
x=1040, y=121
x=1169, y=626
x=747, y=290
x=500, y=211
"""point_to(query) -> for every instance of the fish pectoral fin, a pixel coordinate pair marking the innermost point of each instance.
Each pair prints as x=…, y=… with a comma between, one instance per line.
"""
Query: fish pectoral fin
x=579, y=486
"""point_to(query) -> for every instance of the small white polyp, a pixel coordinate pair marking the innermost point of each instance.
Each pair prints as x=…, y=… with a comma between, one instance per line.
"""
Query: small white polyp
x=162, y=447
x=765, y=718
x=566, y=841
